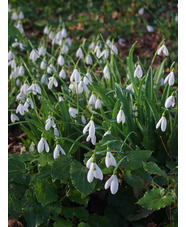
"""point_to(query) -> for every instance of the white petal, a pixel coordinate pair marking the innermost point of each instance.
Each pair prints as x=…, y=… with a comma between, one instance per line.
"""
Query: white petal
x=98, y=173
x=114, y=185
x=88, y=164
x=56, y=152
x=90, y=175
x=108, y=183
x=163, y=124
x=158, y=124
x=40, y=146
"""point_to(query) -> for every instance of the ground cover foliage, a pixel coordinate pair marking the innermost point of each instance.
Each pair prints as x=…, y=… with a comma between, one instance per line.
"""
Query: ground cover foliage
x=94, y=91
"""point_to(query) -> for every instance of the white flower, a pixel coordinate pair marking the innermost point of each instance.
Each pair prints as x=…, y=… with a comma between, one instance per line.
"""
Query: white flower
x=114, y=49
x=130, y=87
x=83, y=120
x=105, y=53
x=21, y=109
x=24, y=88
x=34, y=55
x=110, y=160
x=44, y=79
x=14, y=117
x=88, y=59
x=59, y=35
x=68, y=41
x=92, y=100
x=163, y=123
x=97, y=51
x=89, y=162
x=42, y=145
x=150, y=28
x=109, y=43
x=92, y=46
x=43, y=64
x=60, y=98
x=170, y=101
x=98, y=104
x=52, y=81
x=15, y=44
x=82, y=86
x=141, y=11
x=11, y=55
x=34, y=88
x=73, y=112
x=46, y=30
x=94, y=171
x=72, y=87
x=64, y=33
x=13, y=64
x=28, y=103
x=21, y=96
x=91, y=127
x=79, y=53
x=170, y=78
x=57, y=150
x=21, y=71
x=121, y=117
x=18, y=82
x=112, y=182
x=60, y=60
x=22, y=46
x=106, y=72
x=64, y=49
x=107, y=133
x=62, y=74
x=87, y=79
x=14, y=16
x=51, y=35
x=49, y=123
x=21, y=15
x=75, y=76
x=138, y=72
x=42, y=51
x=163, y=49
x=51, y=69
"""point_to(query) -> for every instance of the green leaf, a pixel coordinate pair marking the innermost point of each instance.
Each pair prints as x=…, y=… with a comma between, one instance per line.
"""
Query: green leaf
x=153, y=168
x=13, y=32
x=153, y=109
x=14, y=205
x=75, y=196
x=16, y=169
x=61, y=168
x=142, y=213
x=79, y=212
x=62, y=223
x=135, y=158
x=45, y=192
x=156, y=199
x=98, y=221
x=45, y=159
x=134, y=180
x=78, y=175
x=44, y=173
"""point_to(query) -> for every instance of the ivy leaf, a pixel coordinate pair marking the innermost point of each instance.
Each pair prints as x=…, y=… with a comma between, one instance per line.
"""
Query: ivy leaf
x=156, y=199
x=14, y=206
x=153, y=168
x=78, y=175
x=61, y=168
x=45, y=192
x=79, y=212
x=135, y=158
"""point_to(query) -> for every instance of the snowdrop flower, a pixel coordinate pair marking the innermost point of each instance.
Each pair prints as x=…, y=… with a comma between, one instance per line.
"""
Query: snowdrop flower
x=21, y=109
x=51, y=69
x=79, y=53
x=28, y=103
x=14, y=117
x=49, y=123
x=138, y=72
x=64, y=49
x=150, y=28
x=109, y=43
x=13, y=64
x=110, y=160
x=22, y=46
x=59, y=35
x=163, y=49
x=88, y=59
x=15, y=44
x=11, y=55
x=89, y=162
x=170, y=101
x=83, y=120
x=121, y=117
x=60, y=60
x=92, y=46
x=87, y=78
x=42, y=145
x=52, y=81
x=60, y=98
x=68, y=41
x=19, y=27
x=107, y=133
x=73, y=112
x=64, y=33
x=114, y=49
x=112, y=182
x=21, y=15
x=94, y=171
x=34, y=88
x=106, y=72
x=24, y=88
x=56, y=131
x=75, y=76
x=21, y=96
x=44, y=79
x=14, y=16
x=51, y=35
x=91, y=128
x=57, y=150
x=130, y=87
x=98, y=104
x=105, y=53
x=163, y=123
x=62, y=74
x=141, y=11
x=72, y=87
x=43, y=64
x=18, y=82
x=97, y=51
x=170, y=79
x=92, y=100
x=42, y=51
x=82, y=86
x=46, y=30
x=34, y=55
x=21, y=71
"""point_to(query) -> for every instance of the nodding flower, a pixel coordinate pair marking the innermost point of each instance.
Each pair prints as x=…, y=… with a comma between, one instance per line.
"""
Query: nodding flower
x=163, y=49
x=113, y=183
x=170, y=79
x=94, y=172
x=57, y=151
x=138, y=72
x=43, y=145
x=121, y=117
x=163, y=123
x=79, y=53
x=170, y=101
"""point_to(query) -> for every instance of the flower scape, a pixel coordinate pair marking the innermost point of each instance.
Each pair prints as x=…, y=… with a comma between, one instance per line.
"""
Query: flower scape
x=101, y=129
